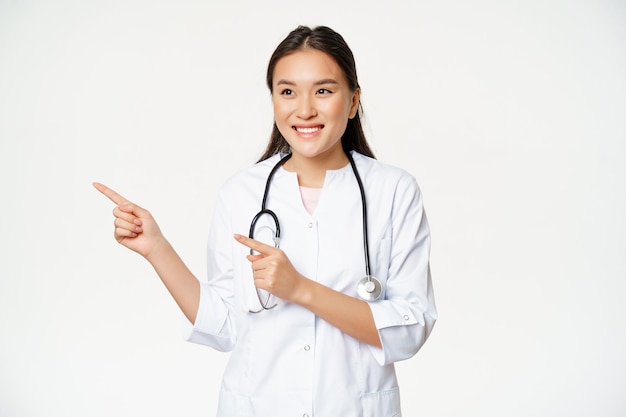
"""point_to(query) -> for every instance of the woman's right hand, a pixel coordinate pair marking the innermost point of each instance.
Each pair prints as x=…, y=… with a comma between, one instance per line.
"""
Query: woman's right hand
x=135, y=227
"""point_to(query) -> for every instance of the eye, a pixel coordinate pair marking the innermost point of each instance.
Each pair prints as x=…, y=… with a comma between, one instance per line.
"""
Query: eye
x=286, y=92
x=324, y=91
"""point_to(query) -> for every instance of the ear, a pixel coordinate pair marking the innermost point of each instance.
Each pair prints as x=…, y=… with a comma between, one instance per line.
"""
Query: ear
x=354, y=104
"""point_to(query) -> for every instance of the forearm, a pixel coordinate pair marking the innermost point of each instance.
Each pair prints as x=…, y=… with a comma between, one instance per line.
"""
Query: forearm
x=273, y=272
x=350, y=315
x=178, y=279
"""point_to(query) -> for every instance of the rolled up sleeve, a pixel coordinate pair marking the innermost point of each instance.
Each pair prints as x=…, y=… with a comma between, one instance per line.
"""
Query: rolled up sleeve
x=403, y=329
x=407, y=314
x=214, y=325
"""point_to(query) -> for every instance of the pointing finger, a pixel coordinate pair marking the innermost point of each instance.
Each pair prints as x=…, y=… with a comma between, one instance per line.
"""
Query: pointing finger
x=112, y=195
x=255, y=244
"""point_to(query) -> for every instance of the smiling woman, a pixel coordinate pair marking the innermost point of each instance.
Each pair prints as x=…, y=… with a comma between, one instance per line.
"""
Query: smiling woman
x=316, y=320
x=312, y=105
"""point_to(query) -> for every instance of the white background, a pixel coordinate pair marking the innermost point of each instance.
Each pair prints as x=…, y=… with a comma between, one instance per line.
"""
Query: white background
x=511, y=114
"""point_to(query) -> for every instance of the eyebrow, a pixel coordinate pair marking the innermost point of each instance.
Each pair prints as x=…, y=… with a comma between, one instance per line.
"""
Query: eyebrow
x=320, y=82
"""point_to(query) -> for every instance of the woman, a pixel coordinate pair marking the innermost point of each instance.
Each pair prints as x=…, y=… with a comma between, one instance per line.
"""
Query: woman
x=310, y=336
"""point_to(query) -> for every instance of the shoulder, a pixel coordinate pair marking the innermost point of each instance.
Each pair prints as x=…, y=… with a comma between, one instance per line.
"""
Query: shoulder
x=393, y=190
x=377, y=173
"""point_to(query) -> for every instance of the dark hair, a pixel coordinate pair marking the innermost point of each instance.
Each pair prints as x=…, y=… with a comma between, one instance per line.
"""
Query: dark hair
x=331, y=43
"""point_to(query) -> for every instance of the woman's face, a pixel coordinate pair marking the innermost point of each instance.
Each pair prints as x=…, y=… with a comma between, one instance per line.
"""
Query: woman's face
x=312, y=104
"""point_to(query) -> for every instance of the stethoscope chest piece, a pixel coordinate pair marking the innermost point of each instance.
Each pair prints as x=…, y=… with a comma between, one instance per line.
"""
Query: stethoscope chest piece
x=369, y=288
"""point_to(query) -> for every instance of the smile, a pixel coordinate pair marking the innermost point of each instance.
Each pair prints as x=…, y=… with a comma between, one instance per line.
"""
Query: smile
x=308, y=129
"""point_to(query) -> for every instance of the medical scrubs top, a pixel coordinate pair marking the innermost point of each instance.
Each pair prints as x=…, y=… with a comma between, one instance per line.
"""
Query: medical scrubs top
x=287, y=361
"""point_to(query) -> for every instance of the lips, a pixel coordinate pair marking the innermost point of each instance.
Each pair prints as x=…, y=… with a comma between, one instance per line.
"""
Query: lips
x=308, y=130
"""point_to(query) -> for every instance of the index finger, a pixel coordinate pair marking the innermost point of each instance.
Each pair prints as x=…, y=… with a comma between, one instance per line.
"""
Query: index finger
x=112, y=195
x=255, y=244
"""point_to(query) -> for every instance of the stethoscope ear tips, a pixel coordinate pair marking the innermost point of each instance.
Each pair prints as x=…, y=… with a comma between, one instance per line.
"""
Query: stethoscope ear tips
x=369, y=288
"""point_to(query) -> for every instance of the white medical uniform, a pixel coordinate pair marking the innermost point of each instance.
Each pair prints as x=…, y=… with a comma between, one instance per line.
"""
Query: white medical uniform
x=286, y=362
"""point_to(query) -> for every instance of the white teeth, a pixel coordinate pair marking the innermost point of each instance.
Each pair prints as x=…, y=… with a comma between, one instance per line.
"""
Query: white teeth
x=307, y=129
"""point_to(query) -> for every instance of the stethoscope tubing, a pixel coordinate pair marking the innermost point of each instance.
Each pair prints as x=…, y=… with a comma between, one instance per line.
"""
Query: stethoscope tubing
x=366, y=246
x=368, y=288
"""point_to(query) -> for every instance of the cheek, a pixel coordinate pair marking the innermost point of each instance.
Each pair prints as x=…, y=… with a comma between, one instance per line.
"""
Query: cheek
x=339, y=110
x=281, y=111
x=281, y=118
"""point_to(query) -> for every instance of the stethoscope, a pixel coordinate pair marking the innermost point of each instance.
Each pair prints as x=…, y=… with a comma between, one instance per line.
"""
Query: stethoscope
x=368, y=288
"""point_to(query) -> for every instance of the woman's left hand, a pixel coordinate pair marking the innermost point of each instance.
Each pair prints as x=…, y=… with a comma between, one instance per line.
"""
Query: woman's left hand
x=273, y=272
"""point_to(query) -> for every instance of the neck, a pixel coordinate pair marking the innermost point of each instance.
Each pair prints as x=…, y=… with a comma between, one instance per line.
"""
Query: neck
x=312, y=171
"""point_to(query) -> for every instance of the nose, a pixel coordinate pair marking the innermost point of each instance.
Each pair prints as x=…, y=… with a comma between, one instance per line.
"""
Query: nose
x=306, y=108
